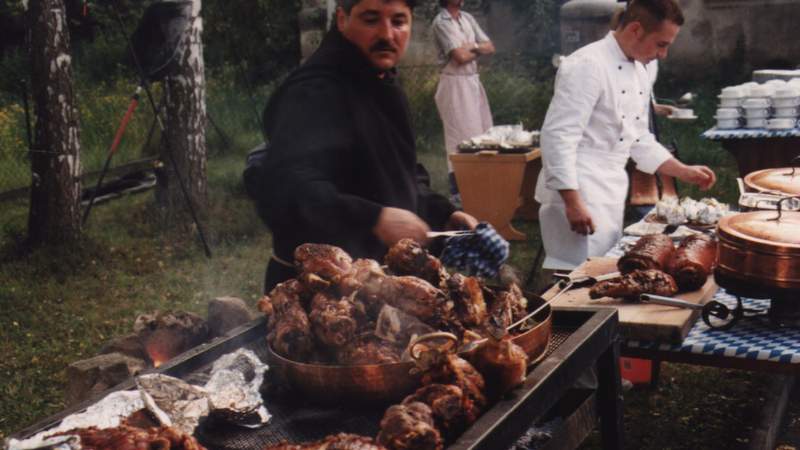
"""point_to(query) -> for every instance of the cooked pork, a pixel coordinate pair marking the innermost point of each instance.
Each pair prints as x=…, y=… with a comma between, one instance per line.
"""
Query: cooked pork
x=693, y=261
x=452, y=369
x=502, y=363
x=409, y=427
x=368, y=349
x=636, y=283
x=417, y=297
x=288, y=325
x=334, y=321
x=407, y=257
x=508, y=306
x=321, y=265
x=449, y=406
x=341, y=441
x=126, y=437
x=653, y=251
x=467, y=295
x=364, y=279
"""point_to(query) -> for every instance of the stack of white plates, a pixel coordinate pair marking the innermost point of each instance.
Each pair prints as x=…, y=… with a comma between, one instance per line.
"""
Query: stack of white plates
x=728, y=118
x=756, y=112
x=785, y=102
x=731, y=97
x=781, y=123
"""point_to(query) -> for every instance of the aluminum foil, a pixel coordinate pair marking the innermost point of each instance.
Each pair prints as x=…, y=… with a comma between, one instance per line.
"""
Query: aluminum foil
x=107, y=413
x=231, y=394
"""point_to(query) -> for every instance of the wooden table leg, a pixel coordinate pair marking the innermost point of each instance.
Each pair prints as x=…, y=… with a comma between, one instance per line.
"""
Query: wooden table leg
x=609, y=399
x=491, y=188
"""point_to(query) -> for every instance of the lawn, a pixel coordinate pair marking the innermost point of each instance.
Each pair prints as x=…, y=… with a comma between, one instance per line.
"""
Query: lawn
x=62, y=304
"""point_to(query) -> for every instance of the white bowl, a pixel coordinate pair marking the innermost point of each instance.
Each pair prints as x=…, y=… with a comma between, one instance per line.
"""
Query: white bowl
x=785, y=112
x=762, y=90
x=732, y=102
x=777, y=83
x=781, y=124
x=756, y=123
x=727, y=124
x=785, y=102
x=756, y=113
x=728, y=113
x=732, y=92
x=758, y=102
x=682, y=113
x=786, y=91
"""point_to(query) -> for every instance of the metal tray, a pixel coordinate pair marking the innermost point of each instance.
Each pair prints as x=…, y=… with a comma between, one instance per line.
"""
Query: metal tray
x=580, y=337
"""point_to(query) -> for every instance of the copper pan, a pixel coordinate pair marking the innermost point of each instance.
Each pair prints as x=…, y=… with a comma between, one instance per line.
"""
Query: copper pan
x=386, y=383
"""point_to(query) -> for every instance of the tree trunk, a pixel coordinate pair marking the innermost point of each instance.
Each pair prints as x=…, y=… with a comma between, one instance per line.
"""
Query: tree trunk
x=55, y=161
x=185, y=137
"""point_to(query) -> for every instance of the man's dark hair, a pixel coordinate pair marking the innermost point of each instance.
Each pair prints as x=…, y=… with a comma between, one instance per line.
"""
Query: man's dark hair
x=347, y=5
x=442, y=3
x=651, y=13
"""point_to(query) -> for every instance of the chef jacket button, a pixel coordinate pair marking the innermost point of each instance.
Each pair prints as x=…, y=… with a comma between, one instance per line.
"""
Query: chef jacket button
x=637, y=117
x=623, y=116
x=620, y=67
x=623, y=91
x=637, y=140
x=620, y=139
x=640, y=92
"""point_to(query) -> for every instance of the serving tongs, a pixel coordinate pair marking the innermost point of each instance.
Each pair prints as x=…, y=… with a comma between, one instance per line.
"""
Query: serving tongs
x=564, y=284
x=435, y=234
x=715, y=314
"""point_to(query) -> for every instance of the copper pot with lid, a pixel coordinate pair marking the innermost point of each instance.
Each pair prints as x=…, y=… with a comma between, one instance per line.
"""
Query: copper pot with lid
x=764, y=188
x=759, y=252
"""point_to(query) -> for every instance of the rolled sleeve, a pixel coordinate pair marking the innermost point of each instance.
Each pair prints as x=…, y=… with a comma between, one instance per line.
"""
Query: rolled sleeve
x=480, y=35
x=649, y=154
x=577, y=89
x=447, y=36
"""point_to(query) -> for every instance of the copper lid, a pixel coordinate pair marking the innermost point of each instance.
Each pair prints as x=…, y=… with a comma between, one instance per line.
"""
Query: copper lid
x=760, y=229
x=785, y=180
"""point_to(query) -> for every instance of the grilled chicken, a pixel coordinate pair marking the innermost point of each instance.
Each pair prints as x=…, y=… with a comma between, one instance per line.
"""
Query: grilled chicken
x=125, y=437
x=321, y=265
x=467, y=295
x=341, y=441
x=334, y=321
x=368, y=349
x=449, y=406
x=290, y=330
x=364, y=279
x=636, y=283
x=502, y=363
x=407, y=257
x=409, y=427
x=452, y=369
x=417, y=297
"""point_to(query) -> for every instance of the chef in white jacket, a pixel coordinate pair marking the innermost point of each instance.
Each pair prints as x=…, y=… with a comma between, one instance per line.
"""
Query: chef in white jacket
x=597, y=119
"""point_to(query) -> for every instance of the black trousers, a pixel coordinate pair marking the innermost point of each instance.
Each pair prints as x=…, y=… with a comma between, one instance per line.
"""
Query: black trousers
x=277, y=273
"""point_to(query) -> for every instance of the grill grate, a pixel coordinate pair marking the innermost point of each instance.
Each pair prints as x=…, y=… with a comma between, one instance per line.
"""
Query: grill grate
x=295, y=420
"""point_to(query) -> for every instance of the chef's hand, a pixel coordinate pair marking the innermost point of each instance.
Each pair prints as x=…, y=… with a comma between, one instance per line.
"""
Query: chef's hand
x=580, y=221
x=702, y=176
x=460, y=220
x=663, y=110
x=396, y=223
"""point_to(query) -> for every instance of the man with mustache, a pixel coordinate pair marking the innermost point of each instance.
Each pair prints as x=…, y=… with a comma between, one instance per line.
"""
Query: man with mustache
x=341, y=167
x=597, y=119
x=460, y=97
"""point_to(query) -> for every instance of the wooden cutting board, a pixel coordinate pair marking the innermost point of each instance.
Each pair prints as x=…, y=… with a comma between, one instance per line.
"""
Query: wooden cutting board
x=637, y=320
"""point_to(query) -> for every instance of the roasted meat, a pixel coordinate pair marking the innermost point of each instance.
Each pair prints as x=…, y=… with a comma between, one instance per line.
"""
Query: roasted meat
x=508, y=306
x=407, y=257
x=653, y=251
x=452, y=369
x=693, y=261
x=290, y=330
x=449, y=405
x=368, y=349
x=341, y=441
x=502, y=363
x=334, y=321
x=364, y=279
x=321, y=265
x=467, y=295
x=636, y=283
x=417, y=297
x=409, y=427
x=125, y=437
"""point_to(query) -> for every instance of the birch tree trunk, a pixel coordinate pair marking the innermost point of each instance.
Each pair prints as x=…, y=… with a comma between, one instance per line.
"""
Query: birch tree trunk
x=54, y=215
x=185, y=136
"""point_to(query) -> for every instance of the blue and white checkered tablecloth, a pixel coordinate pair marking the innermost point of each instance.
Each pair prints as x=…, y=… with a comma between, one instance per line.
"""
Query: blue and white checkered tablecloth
x=743, y=133
x=750, y=338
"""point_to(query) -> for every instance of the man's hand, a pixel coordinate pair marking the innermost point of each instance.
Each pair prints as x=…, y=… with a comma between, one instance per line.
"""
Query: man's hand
x=395, y=224
x=460, y=220
x=580, y=221
x=663, y=110
x=701, y=176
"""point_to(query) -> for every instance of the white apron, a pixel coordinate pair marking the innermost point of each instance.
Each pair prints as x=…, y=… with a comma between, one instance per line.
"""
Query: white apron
x=603, y=192
x=460, y=98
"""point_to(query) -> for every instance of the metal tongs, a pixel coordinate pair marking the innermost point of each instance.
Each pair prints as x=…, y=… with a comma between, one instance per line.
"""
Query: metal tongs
x=565, y=284
x=724, y=317
x=435, y=234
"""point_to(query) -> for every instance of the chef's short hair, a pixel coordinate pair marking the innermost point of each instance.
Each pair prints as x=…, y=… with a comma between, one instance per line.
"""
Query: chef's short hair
x=651, y=13
x=347, y=5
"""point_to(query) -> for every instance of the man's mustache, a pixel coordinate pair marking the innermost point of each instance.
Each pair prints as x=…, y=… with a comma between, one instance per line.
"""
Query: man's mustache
x=383, y=46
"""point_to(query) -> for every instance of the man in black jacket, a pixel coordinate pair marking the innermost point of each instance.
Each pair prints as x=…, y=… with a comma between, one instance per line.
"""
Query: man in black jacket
x=342, y=166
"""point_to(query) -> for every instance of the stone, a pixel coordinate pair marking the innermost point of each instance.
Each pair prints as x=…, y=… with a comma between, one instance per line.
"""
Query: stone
x=227, y=313
x=129, y=345
x=89, y=377
x=165, y=335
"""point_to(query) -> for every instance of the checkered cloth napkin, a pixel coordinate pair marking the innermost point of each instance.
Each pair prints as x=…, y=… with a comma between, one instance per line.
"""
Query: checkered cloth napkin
x=480, y=253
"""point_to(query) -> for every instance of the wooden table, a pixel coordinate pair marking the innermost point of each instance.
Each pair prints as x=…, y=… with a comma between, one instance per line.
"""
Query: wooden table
x=758, y=149
x=494, y=186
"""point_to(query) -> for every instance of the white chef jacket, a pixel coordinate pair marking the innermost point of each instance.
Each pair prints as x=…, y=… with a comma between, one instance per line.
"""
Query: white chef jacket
x=597, y=119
